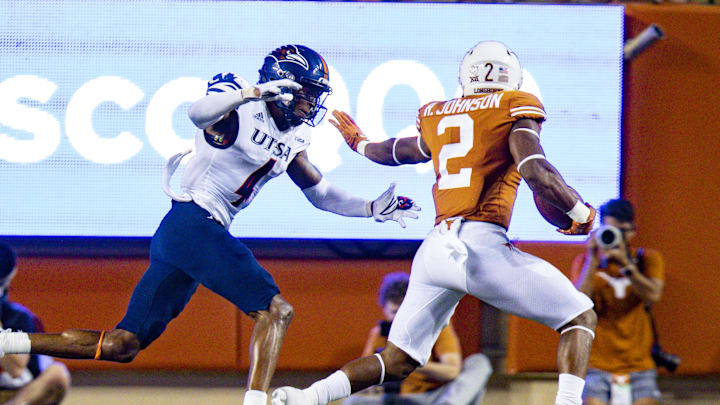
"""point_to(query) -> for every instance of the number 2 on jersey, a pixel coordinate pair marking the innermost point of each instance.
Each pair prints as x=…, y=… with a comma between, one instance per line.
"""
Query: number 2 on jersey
x=455, y=150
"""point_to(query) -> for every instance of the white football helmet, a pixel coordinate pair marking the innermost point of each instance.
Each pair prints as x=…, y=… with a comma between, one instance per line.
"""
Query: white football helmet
x=489, y=65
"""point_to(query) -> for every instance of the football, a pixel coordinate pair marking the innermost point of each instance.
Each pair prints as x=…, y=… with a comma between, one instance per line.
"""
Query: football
x=552, y=214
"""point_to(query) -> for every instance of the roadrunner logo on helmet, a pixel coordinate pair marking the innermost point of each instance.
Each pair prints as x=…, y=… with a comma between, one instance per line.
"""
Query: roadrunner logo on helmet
x=305, y=66
x=490, y=66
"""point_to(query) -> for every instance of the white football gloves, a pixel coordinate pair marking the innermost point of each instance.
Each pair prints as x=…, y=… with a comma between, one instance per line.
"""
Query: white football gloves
x=271, y=91
x=391, y=207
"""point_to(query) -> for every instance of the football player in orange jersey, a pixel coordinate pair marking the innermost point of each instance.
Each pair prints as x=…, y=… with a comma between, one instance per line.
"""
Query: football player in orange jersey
x=481, y=146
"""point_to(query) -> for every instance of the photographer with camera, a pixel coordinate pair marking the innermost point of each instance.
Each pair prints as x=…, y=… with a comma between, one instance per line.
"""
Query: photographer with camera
x=623, y=282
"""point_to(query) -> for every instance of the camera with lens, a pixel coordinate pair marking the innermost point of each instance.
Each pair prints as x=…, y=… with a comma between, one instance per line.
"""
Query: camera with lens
x=664, y=359
x=608, y=237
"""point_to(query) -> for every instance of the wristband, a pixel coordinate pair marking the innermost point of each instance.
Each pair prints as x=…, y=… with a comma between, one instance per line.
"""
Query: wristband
x=579, y=213
x=361, y=147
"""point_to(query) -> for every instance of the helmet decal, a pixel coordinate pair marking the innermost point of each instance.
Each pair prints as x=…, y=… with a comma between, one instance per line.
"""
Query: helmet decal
x=489, y=66
x=296, y=58
x=326, y=72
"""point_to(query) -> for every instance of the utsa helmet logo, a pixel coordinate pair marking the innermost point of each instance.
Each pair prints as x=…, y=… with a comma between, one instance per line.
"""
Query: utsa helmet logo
x=290, y=54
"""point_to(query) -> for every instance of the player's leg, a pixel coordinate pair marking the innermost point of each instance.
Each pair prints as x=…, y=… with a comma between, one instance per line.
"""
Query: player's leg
x=424, y=312
x=117, y=344
x=158, y=298
x=49, y=388
x=573, y=353
x=267, y=338
x=392, y=364
x=524, y=285
x=227, y=267
x=576, y=339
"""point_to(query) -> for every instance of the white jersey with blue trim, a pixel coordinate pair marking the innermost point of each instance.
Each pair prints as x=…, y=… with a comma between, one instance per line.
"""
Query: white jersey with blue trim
x=228, y=170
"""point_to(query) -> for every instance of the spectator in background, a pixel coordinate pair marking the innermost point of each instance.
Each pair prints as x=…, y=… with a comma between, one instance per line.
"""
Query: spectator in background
x=26, y=379
x=445, y=379
x=623, y=281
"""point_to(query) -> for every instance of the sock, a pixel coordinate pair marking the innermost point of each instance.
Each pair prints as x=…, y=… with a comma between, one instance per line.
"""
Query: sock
x=570, y=388
x=254, y=397
x=14, y=343
x=336, y=386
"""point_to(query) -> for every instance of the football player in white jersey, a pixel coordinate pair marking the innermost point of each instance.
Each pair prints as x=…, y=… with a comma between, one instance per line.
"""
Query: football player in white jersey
x=247, y=135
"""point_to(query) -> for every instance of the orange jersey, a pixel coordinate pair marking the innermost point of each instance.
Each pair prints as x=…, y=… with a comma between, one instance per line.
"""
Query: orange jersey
x=624, y=336
x=468, y=139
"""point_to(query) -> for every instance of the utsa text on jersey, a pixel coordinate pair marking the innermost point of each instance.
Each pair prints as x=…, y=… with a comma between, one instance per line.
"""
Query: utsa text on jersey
x=282, y=150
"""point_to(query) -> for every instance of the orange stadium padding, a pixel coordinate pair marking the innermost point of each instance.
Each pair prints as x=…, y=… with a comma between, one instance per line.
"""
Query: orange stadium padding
x=670, y=172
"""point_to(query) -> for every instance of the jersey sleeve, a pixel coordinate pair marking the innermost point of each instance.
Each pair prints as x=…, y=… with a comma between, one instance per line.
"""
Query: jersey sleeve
x=424, y=110
x=526, y=105
x=223, y=82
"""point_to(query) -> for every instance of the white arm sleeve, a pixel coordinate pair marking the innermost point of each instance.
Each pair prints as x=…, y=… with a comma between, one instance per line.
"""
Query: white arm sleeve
x=329, y=198
x=211, y=108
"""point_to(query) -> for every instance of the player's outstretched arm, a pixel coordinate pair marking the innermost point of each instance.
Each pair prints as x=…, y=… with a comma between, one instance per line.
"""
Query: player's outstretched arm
x=392, y=152
x=214, y=106
x=327, y=197
x=544, y=179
